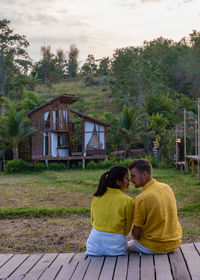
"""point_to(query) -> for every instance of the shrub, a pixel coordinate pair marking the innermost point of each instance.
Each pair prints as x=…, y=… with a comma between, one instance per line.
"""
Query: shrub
x=126, y=162
x=40, y=166
x=79, y=165
x=165, y=164
x=106, y=164
x=153, y=161
x=17, y=165
x=57, y=166
x=92, y=165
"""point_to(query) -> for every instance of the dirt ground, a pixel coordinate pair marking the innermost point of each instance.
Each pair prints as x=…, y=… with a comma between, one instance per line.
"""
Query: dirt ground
x=35, y=235
x=64, y=234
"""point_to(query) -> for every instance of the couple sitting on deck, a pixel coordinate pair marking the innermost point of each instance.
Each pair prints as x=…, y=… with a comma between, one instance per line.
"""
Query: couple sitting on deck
x=153, y=215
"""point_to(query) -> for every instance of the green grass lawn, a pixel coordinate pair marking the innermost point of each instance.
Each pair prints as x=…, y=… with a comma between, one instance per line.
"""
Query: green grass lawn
x=33, y=201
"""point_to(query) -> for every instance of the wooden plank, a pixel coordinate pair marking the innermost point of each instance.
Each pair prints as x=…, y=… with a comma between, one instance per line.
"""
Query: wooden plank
x=121, y=268
x=68, y=268
x=78, y=257
x=133, y=267
x=66, y=271
x=9, y=267
x=94, y=268
x=17, y=277
x=162, y=266
x=62, y=259
x=178, y=266
x=108, y=268
x=147, y=267
x=4, y=258
x=81, y=269
x=192, y=259
x=27, y=265
x=50, y=273
x=40, y=267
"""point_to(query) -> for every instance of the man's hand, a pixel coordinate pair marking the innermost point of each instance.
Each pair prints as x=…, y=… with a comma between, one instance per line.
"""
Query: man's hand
x=136, y=232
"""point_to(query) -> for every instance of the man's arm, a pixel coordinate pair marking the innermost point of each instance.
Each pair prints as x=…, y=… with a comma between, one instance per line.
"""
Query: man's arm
x=136, y=232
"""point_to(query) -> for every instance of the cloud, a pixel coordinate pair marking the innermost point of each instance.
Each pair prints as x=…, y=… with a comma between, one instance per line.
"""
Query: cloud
x=147, y=1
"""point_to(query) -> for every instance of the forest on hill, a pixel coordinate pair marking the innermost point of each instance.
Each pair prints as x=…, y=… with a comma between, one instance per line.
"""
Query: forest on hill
x=140, y=91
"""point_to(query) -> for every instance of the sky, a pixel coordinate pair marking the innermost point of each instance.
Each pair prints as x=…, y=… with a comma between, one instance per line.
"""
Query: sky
x=99, y=27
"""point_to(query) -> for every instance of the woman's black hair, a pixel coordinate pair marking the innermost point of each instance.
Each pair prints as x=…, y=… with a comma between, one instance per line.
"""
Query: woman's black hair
x=109, y=179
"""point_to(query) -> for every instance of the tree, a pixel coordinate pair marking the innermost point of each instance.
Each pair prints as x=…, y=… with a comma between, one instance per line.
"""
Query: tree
x=61, y=61
x=133, y=75
x=104, y=66
x=89, y=68
x=72, y=65
x=14, y=58
x=130, y=127
x=47, y=68
x=18, y=130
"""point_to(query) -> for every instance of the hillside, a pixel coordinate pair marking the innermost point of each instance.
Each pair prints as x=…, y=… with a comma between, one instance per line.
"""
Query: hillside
x=93, y=99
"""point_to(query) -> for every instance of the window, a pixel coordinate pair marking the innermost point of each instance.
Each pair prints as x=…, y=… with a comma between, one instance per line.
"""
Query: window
x=62, y=140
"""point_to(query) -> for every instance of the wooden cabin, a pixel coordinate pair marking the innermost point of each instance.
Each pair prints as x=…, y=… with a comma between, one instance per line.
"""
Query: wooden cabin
x=53, y=119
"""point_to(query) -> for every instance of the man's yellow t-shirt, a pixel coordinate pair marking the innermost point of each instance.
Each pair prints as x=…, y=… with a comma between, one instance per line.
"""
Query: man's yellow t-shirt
x=156, y=212
x=112, y=212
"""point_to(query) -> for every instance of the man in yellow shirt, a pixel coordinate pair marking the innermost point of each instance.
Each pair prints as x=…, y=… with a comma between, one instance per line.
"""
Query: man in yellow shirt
x=156, y=228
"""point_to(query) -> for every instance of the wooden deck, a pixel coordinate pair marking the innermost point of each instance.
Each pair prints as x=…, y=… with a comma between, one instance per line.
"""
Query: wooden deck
x=182, y=264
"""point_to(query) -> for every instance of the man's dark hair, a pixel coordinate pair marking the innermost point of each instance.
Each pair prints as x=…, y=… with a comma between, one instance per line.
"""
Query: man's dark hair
x=141, y=165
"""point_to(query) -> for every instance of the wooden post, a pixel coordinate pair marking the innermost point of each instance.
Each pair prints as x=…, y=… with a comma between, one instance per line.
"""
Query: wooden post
x=186, y=164
x=176, y=146
x=193, y=167
x=198, y=138
x=4, y=161
x=83, y=163
x=185, y=153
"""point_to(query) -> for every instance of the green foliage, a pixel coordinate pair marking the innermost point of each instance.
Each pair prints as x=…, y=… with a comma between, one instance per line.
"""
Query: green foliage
x=40, y=166
x=107, y=164
x=72, y=65
x=57, y=166
x=91, y=165
x=154, y=161
x=10, y=213
x=190, y=209
x=158, y=103
x=18, y=130
x=79, y=165
x=13, y=55
x=17, y=165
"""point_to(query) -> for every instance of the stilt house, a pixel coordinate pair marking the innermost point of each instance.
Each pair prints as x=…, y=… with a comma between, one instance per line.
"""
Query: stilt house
x=53, y=119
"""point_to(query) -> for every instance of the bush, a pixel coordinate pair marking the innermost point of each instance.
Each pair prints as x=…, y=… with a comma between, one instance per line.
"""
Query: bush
x=126, y=162
x=165, y=164
x=79, y=165
x=17, y=165
x=92, y=165
x=57, y=166
x=106, y=164
x=153, y=161
x=40, y=166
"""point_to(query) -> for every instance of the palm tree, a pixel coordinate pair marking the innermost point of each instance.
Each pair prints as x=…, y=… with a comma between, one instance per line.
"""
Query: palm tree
x=130, y=126
x=18, y=131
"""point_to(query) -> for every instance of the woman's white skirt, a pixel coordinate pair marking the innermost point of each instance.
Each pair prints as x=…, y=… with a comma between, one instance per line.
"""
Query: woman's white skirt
x=101, y=243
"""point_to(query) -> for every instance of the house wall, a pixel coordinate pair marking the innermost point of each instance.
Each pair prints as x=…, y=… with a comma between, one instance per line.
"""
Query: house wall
x=38, y=141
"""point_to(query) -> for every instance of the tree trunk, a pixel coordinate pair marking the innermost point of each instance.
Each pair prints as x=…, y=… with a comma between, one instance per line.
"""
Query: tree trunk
x=15, y=153
x=127, y=151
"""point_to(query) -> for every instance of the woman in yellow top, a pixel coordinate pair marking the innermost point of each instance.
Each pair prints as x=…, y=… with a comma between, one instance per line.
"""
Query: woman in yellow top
x=111, y=215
